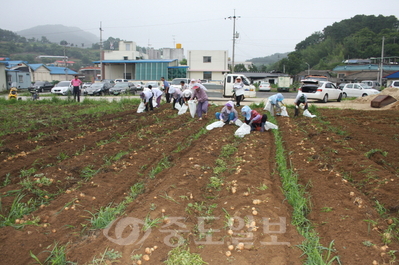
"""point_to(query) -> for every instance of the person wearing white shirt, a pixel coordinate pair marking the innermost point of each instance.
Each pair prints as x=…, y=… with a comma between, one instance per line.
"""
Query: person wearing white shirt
x=238, y=88
x=157, y=94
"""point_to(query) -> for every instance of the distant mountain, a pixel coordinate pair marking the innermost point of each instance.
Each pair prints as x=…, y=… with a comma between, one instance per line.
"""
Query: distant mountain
x=268, y=60
x=58, y=33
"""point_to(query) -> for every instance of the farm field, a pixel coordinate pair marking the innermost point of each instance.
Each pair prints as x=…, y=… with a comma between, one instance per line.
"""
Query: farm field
x=104, y=185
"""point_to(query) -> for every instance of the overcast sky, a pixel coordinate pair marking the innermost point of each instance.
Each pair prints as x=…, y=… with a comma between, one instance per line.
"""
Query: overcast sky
x=264, y=27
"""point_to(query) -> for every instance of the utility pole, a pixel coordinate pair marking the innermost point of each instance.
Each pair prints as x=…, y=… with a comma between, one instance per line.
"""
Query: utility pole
x=101, y=52
x=382, y=60
x=235, y=36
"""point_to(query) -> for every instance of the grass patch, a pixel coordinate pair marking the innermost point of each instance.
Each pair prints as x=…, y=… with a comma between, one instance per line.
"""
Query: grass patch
x=182, y=255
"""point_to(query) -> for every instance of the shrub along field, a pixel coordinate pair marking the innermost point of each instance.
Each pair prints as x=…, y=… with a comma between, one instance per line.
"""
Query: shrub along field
x=97, y=183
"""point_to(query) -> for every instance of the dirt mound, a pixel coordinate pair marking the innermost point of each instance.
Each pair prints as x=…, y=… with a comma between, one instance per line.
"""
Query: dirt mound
x=393, y=92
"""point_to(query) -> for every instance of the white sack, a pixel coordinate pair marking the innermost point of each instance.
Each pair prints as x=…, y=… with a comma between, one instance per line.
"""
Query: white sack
x=308, y=114
x=238, y=122
x=141, y=107
x=269, y=125
x=192, y=107
x=284, y=112
x=177, y=106
x=183, y=109
x=268, y=106
x=243, y=130
x=154, y=102
x=216, y=124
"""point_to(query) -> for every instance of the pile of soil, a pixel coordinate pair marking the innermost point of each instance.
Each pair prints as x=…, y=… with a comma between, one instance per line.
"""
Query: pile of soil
x=391, y=91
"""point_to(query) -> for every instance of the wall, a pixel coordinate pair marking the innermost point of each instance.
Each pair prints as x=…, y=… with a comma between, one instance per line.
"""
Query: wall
x=3, y=77
x=41, y=74
x=219, y=60
x=117, y=70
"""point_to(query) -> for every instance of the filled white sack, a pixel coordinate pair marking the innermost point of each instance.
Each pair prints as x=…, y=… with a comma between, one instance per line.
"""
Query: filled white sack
x=306, y=113
x=269, y=125
x=238, y=122
x=284, y=112
x=192, y=105
x=243, y=130
x=183, y=109
x=216, y=124
x=141, y=107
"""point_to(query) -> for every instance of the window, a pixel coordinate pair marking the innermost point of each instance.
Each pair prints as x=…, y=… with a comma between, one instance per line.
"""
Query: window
x=207, y=59
x=20, y=78
x=127, y=46
x=207, y=75
x=128, y=76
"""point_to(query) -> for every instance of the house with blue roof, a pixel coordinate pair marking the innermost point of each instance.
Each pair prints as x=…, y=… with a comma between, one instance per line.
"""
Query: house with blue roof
x=358, y=72
x=391, y=77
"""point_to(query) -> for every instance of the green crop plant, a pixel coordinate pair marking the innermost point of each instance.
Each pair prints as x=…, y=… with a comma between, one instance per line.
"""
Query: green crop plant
x=182, y=255
x=17, y=211
x=296, y=197
x=105, y=216
x=374, y=151
x=137, y=189
x=162, y=164
x=215, y=183
x=57, y=256
x=88, y=172
x=151, y=223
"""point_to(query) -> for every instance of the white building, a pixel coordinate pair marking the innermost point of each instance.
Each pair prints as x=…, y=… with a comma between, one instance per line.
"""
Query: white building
x=173, y=53
x=127, y=51
x=211, y=65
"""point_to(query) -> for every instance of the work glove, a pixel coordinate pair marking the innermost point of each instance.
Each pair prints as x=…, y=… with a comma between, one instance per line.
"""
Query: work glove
x=250, y=122
x=231, y=122
x=296, y=106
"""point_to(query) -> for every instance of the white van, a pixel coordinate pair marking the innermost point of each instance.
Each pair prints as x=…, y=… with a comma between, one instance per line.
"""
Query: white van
x=372, y=84
x=228, y=82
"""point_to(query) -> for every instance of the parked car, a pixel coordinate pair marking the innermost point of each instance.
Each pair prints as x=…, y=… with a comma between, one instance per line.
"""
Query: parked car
x=372, y=84
x=176, y=82
x=264, y=86
x=395, y=84
x=41, y=86
x=139, y=85
x=123, y=88
x=110, y=81
x=358, y=90
x=153, y=84
x=62, y=88
x=99, y=89
x=121, y=80
x=320, y=90
x=341, y=86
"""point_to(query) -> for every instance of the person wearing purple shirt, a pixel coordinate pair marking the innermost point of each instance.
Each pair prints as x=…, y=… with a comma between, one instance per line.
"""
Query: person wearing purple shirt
x=166, y=87
x=200, y=94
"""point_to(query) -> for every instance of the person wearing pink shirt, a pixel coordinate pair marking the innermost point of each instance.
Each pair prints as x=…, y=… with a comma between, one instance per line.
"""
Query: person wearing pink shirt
x=76, y=83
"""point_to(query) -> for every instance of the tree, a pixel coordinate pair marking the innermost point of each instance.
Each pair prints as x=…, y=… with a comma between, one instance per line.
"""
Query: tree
x=44, y=40
x=240, y=68
x=183, y=62
x=63, y=42
x=253, y=68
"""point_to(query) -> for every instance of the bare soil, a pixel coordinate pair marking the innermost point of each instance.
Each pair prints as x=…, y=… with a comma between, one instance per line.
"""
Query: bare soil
x=347, y=160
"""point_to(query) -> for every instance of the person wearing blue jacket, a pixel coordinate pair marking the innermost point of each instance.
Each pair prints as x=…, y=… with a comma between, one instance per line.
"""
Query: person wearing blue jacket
x=275, y=102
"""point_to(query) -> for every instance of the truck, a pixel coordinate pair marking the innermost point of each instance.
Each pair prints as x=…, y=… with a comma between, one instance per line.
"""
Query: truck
x=284, y=83
x=228, y=82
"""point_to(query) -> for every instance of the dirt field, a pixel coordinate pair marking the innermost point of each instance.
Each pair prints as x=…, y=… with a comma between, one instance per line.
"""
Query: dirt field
x=206, y=190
